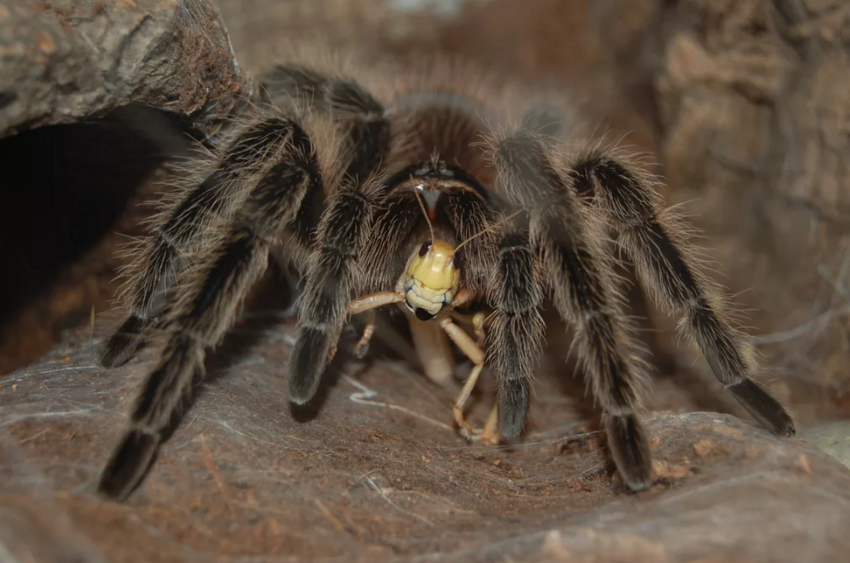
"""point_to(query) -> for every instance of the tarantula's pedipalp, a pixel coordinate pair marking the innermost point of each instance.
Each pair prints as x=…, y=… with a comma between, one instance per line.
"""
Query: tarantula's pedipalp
x=665, y=266
x=580, y=277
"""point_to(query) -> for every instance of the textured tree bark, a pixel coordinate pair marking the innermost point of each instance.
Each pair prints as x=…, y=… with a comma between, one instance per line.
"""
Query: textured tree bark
x=64, y=61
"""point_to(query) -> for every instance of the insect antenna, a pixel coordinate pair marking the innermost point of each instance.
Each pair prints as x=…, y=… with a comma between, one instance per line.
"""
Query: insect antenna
x=489, y=228
x=425, y=212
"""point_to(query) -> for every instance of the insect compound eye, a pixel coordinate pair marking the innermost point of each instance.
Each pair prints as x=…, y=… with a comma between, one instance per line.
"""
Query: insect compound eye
x=423, y=315
x=423, y=250
x=457, y=261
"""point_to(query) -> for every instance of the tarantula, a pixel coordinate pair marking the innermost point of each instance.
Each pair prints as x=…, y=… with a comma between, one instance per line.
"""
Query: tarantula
x=438, y=190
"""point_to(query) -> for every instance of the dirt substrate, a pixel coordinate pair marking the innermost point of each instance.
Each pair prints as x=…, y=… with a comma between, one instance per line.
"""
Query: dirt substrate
x=375, y=472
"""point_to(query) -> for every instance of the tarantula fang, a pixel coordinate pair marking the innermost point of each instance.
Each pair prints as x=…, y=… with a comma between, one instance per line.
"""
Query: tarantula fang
x=331, y=175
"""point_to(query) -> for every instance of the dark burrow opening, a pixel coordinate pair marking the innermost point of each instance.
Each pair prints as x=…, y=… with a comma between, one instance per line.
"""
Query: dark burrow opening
x=66, y=187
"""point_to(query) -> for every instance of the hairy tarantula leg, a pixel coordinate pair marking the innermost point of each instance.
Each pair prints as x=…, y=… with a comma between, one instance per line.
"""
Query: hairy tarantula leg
x=329, y=284
x=287, y=83
x=341, y=237
x=664, y=263
x=545, y=120
x=161, y=261
x=580, y=277
x=210, y=302
x=344, y=99
x=515, y=330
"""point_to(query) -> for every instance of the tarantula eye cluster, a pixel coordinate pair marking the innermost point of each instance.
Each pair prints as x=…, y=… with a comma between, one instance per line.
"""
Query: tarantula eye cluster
x=415, y=180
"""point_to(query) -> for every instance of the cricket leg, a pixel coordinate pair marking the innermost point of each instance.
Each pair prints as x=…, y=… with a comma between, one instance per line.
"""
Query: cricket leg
x=373, y=301
x=368, y=303
x=362, y=345
x=474, y=352
x=476, y=321
x=490, y=435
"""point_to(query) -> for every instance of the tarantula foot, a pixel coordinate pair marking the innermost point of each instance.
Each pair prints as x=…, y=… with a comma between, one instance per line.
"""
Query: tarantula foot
x=630, y=451
x=763, y=407
x=128, y=465
x=307, y=361
x=123, y=343
x=512, y=407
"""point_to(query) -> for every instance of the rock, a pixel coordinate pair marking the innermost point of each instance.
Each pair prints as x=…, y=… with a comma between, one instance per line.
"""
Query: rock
x=833, y=438
x=376, y=472
x=64, y=61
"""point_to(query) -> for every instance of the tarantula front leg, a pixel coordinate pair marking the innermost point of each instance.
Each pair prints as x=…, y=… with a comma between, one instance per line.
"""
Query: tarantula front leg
x=329, y=284
x=580, y=278
x=515, y=329
x=653, y=241
x=209, y=303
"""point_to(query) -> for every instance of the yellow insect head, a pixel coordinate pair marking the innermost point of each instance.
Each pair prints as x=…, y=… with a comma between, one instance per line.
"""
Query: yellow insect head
x=432, y=279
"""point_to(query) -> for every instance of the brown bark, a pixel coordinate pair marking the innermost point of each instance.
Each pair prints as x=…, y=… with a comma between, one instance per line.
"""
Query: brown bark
x=64, y=61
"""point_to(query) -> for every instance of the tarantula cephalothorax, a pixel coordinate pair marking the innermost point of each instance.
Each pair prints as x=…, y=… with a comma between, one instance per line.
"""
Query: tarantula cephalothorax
x=334, y=172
